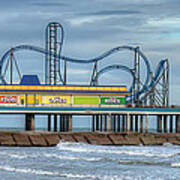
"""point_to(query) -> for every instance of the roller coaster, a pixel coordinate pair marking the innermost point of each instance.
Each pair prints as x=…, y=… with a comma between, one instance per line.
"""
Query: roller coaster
x=154, y=91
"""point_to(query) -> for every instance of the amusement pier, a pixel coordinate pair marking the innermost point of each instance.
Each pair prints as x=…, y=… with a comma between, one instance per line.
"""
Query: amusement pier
x=120, y=115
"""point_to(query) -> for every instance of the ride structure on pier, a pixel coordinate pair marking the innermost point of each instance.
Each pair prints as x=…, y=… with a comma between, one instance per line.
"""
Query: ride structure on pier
x=56, y=96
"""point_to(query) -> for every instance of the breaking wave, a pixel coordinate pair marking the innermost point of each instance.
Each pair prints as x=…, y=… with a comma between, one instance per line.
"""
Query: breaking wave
x=131, y=151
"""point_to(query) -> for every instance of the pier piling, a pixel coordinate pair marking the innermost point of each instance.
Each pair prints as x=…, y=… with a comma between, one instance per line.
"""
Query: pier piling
x=123, y=123
x=141, y=123
x=49, y=122
x=136, y=123
x=177, y=123
x=119, y=123
x=171, y=124
x=30, y=122
x=165, y=123
x=55, y=122
x=159, y=123
x=131, y=123
x=101, y=122
x=109, y=123
x=97, y=122
x=70, y=123
x=146, y=125
x=127, y=123
x=105, y=122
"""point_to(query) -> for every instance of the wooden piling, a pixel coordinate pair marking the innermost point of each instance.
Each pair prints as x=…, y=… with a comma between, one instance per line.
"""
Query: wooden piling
x=93, y=123
x=105, y=122
x=55, y=122
x=97, y=122
x=109, y=123
x=123, y=123
x=114, y=123
x=101, y=120
x=146, y=125
x=64, y=123
x=127, y=123
x=171, y=124
x=177, y=123
x=159, y=123
x=141, y=123
x=67, y=123
x=119, y=123
x=131, y=122
x=61, y=123
x=29, y=122
x=136, y=123
x=49, y=122
x=165, y=123
x=70, y=123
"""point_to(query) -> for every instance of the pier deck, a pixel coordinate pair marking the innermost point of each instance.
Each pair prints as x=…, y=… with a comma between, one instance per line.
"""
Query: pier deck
x=87, y=110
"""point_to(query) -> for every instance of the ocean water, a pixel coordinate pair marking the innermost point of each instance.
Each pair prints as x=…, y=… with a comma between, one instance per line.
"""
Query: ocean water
x=76, y=161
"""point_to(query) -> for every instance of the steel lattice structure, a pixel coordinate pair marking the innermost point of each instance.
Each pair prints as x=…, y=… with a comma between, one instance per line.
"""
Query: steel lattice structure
x=142, y=93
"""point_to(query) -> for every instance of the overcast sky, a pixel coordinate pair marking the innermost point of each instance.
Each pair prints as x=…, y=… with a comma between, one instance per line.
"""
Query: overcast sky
x=93, y=27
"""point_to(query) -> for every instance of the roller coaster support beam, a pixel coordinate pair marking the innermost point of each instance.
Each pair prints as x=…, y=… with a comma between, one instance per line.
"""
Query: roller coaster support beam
x=94, y=79
x=65, y=73
x=54, y=42
x=136, y=85
x=11, y=66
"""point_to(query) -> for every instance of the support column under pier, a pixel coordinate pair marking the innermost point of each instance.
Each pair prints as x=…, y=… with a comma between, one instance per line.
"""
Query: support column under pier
x=93, y=123
x=114, y=122
x=105, y=122
x=67, y=123
x=136, y=123
x=128, y=123
x=123, y=122
x=70, y=123
x=141, y=123
x=177, y=123
x=165, y=123
x=131, y=123
x=146, y=125
x=30, y=122
x=171, y=124
x=159, y=123
x=101, y=122
x=97, y=122
x=61, y=123
x=49, y=122
x=119, y=122
x=109, y=123
x=55, y=122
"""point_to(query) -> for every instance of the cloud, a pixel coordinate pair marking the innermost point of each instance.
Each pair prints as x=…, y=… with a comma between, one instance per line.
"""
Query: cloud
x=88, y=19
x=49, y=4
x=95, y=17
x=111, y=12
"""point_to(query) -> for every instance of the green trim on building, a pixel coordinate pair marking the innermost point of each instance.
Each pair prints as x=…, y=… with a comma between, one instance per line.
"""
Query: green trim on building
x=86, y=100
x=113, y=100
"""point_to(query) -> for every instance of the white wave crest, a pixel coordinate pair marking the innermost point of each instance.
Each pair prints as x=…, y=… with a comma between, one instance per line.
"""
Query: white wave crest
x=86, y=148
x=84, y=158
x=68, y=175
x=175, y=165
x=13, y=155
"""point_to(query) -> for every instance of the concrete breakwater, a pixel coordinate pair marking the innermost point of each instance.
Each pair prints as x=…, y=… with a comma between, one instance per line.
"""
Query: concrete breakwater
x=46, y=139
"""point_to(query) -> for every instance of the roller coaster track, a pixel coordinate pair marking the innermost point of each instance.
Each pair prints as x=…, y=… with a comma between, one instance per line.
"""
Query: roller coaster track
x=73, y=60
x=116, y=66
x=147, y=84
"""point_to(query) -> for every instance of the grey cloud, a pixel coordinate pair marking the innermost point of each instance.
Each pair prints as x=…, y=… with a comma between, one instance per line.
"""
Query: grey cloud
x=49, y=4
x=112, y=12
